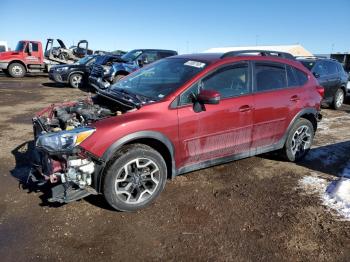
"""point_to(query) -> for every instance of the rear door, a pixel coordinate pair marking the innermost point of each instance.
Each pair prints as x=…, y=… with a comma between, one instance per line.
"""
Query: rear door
x=219, y=130
x=322, y=74
x=333, y=77
x=277, y=96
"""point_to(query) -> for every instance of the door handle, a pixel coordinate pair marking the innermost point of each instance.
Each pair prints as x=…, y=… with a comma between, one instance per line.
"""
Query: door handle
x=245, y=108
x=295, y=98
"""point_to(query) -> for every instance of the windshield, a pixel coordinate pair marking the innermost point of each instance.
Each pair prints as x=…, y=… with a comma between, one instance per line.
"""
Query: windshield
x=84, y=60
x=160, y=78
x=308, y=64
x=132, y=55
x=20, y=46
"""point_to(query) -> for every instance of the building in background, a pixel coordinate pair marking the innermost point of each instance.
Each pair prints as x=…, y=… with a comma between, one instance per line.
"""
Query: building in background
x=296, y=50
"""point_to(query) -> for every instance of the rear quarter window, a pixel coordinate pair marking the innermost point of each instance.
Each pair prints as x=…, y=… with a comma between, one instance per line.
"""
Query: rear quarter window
x=301, y=76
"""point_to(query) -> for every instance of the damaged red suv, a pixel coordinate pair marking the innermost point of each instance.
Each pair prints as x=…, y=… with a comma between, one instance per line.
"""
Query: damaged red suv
x=177, y=115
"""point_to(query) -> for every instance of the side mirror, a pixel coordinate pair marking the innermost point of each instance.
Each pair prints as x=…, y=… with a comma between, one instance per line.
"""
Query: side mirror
x=210, y=97
x=317, y=75
x=30, y=48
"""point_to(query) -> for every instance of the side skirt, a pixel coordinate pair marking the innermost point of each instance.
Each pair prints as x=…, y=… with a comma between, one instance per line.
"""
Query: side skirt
x=226, y=159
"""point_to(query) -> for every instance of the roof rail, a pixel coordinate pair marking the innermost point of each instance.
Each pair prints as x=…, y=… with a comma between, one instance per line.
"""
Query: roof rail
x=261, y=52
x=312, y=57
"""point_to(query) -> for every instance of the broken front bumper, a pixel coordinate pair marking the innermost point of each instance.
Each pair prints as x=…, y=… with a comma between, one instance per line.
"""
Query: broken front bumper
x=70, y=174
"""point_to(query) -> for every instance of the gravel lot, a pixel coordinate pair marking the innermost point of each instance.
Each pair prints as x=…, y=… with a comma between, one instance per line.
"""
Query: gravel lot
x=248, y=210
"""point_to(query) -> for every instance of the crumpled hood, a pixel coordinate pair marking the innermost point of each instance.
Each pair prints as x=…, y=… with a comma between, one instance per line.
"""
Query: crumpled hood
x=8, y=55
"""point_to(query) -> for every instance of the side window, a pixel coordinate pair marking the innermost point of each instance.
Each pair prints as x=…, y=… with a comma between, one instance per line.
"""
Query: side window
x=165, y=54
x=229, y=81
x=301, y=76
x=292, y=77
x=35, y=47
x=321, y=69
x=187, y=96
x=150, y=57
x=270, y=76
x=331, y=67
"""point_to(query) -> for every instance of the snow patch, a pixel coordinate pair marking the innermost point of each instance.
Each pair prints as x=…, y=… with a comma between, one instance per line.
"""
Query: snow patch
x=335, y=196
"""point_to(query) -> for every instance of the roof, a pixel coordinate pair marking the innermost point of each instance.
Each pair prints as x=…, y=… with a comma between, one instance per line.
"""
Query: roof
x=296, y=50
x=201, y=57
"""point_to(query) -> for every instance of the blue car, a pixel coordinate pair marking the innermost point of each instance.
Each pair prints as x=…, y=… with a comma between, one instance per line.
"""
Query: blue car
x=102, y=77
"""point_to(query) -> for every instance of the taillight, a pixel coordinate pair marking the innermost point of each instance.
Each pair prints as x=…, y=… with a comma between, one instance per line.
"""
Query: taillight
x=320, y=90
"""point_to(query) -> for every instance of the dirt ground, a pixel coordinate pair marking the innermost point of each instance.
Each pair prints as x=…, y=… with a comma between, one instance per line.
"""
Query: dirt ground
x=248, y=210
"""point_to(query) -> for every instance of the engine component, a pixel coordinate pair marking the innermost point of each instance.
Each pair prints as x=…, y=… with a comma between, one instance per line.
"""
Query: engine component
x=79, y=172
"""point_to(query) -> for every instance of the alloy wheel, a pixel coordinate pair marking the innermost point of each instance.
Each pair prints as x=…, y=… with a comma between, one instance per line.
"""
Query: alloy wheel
x=76, y=80
x=339, y=99
x=301, y=141
x=137, y=181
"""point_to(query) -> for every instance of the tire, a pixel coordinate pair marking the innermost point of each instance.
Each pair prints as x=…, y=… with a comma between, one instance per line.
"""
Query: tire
x=135, y=179
x=299, y=140
x=17, y=70
x=338, y=99
x=76, y=80
x=117, y=78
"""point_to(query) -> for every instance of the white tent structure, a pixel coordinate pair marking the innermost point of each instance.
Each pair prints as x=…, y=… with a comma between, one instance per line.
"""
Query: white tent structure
x=296, y=50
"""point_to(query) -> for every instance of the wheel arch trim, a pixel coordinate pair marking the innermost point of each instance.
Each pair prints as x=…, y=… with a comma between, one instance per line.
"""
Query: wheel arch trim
x=133, y=137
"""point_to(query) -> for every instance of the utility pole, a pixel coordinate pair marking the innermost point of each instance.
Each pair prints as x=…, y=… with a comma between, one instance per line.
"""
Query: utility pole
x=256, y=40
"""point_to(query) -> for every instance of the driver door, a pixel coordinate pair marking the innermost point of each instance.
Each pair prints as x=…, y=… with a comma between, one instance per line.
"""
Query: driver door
x=219, y=130
x=33, y=57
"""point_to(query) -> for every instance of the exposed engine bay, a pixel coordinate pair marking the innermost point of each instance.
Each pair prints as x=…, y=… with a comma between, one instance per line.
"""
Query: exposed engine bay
x=58, y=130
x=77, y=114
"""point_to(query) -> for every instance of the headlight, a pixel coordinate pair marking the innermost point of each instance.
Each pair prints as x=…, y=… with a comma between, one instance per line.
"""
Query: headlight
x=60, y=69
x=64, y=141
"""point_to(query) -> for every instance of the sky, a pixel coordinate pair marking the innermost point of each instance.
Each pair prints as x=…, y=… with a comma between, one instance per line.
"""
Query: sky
x=186, y=26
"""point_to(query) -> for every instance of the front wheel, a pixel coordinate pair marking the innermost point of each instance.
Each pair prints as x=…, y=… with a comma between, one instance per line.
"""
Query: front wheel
x=76, y=80
x=338, y=99
x=299, y=140
x=135, y=179
x=17, y=70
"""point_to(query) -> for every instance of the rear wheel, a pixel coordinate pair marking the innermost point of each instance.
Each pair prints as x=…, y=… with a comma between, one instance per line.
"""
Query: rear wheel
x=338, y=99
x=299, y=140
x=135, y=179
x=76, y=80
x=17, y=70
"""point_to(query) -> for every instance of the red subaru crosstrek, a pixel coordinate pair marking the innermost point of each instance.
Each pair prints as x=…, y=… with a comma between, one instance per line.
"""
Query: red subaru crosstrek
x=174, y=116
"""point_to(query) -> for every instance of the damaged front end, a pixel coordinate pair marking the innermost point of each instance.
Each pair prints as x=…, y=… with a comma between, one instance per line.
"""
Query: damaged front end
x=58, y=159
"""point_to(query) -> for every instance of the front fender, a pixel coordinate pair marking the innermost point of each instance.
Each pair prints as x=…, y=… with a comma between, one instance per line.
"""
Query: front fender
x=113, y=149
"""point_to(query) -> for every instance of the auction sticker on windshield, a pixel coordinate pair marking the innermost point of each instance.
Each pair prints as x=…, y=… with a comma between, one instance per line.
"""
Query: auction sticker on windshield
x=195, y=64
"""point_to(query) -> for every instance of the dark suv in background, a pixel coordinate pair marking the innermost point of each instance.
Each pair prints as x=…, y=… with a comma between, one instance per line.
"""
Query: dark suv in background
x=331, y=75
x=126, y=64
x=76, y=74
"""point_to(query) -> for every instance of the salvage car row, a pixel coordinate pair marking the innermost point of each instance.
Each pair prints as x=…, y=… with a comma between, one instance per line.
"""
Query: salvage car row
x=102, y=71
x=157, y=115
